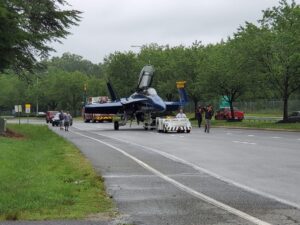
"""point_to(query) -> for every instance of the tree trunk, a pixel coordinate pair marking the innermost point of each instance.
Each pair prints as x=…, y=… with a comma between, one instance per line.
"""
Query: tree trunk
x=195, y=108
x=195, y=101
x=231, y=110
x=285, y=108
x=285, y=99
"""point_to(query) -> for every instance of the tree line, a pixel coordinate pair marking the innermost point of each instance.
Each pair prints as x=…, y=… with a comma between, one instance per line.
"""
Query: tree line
x=259, y=61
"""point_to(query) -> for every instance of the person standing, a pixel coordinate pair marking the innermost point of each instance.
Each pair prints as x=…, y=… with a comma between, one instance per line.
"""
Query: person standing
x=199, y=112
x=208, y=116
x=67, y=119
x=181, y=114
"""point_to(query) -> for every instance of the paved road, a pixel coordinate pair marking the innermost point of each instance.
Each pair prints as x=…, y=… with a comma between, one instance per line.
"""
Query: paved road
x=229, y=176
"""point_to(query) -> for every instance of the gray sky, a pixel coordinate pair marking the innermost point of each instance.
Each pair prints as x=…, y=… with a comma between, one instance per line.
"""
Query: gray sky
x=115, y=25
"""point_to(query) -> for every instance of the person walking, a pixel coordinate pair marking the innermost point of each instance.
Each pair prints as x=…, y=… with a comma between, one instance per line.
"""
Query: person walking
x=199, y=112
x=67, y=119
x=208, y=116
x=61, y=120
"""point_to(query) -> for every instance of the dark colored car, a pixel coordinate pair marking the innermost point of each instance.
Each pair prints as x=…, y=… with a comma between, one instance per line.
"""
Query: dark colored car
x=50, y=115
x=225, y=114
x=294, y=117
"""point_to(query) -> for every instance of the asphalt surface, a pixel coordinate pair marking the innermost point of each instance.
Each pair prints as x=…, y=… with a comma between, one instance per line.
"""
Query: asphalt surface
x=228, y=176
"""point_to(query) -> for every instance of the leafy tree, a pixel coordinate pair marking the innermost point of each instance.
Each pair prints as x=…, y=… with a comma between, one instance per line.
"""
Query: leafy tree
x=27, y=28
x=96, y=87
x=164, y=77
x=72, y=91
x=13, y=91
x=71, y=63
x=122, y=70
x=227, y=74
x=64, y=90
x=187, y=64
x=275, y=48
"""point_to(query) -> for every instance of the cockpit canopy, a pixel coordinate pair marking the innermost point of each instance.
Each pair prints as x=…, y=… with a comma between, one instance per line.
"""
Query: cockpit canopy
x=145, y=78
x=151, y=91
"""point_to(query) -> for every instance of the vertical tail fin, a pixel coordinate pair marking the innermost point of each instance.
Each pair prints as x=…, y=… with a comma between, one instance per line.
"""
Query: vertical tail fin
x=182, y=93
x=111, y=91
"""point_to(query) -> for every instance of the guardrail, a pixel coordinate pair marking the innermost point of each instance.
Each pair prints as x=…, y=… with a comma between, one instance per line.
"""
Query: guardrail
x=262, y=119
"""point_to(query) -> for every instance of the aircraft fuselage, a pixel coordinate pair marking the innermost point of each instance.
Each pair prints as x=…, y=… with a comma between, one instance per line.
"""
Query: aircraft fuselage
x=151, y=103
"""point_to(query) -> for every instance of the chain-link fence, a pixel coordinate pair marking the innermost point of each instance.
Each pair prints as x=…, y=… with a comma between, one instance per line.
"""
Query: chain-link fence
x=267, y=106
x=258, y=106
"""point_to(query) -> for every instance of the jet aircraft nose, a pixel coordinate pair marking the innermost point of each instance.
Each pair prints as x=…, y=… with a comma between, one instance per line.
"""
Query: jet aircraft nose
x=160, y=105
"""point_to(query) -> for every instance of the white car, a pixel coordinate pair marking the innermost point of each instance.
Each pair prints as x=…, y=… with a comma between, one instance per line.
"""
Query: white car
x=56, y=120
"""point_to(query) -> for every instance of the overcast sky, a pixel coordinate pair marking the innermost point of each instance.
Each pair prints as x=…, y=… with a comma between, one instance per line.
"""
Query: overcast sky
x=115, y=25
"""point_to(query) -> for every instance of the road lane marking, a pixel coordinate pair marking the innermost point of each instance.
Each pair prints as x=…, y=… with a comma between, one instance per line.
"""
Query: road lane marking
x=129, y=176
x=244, y=142
x=275, y=137
x=201, y=169
x=250, y=135
x=181, y=186
x=151, y=176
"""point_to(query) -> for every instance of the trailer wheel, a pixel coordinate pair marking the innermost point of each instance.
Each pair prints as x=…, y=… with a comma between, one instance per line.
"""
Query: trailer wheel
x=146, y=126
x=116, y=125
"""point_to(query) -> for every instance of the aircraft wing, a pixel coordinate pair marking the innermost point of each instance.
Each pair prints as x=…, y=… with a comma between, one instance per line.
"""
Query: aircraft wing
x=104, y=108
x=113, y=107
x=173, y=106
x=129, y=101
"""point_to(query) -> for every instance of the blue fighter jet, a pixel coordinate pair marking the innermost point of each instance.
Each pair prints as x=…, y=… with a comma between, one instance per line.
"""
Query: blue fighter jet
x=144, y=104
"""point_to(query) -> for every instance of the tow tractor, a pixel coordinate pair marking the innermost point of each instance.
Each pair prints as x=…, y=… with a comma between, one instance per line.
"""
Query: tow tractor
x=179, y=125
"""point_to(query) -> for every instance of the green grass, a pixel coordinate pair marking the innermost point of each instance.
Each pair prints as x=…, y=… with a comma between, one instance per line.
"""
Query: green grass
x=254, y=124
x=264, y=115
x=42, y=176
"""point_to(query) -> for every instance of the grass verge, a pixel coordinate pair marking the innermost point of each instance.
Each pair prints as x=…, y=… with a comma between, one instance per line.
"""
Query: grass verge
x=254, y=125
x=42, y=176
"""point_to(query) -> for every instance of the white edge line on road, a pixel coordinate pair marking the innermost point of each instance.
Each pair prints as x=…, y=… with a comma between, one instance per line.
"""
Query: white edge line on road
x=201, y=169
x=244, y=142
x=183, y=187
